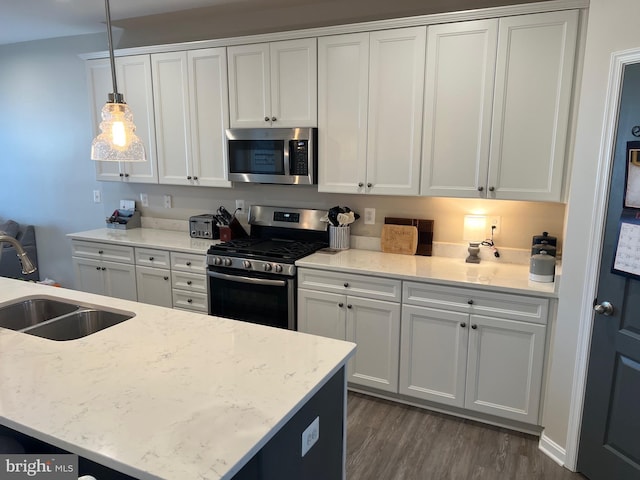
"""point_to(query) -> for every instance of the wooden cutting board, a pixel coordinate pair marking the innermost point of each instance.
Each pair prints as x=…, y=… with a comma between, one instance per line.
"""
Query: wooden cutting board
x=425, y=232
x=399, y=239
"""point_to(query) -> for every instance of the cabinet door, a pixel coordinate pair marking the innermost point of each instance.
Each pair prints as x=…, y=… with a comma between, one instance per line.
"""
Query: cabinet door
x=294, y=80
x=433, y=354
x=504, y=368
x=154, y=286
x=343, y=92
x=89, y=277
x=321, y=313
x=171, y=97
x=534, y=76
x=249, y=86
x=396, y=91
x=457, y=108
x=209, y=114
x=134, y=82
x=374, y=326
x=120, y=280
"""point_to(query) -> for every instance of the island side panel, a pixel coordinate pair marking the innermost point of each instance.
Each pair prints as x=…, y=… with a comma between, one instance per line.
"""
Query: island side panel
x=281, y=458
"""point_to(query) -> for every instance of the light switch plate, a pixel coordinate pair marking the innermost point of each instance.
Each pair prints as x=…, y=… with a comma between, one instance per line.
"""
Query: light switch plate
x=167, y=201
x=97, y=196
x=144, y=199
x=369, y=216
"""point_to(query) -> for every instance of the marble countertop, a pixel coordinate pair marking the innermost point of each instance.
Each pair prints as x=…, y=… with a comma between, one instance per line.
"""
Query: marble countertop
x=167, y=394
x=490, y=275
x=173, y=240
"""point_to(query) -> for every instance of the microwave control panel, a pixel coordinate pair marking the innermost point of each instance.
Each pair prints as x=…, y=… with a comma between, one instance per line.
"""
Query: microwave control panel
x=299, y=157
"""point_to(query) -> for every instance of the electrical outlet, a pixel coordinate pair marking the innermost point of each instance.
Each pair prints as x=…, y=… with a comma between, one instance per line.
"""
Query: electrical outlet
x=369, y=216
x=97, y=196
x=240, y=205
x=310, y=436
x=494, y=222
x=144, y=199
x=167, y=201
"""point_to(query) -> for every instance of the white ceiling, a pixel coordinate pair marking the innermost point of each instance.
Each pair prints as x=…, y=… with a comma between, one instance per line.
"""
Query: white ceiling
x=25, y=20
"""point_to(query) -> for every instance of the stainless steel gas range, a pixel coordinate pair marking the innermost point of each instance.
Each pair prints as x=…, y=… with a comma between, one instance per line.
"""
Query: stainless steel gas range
x=254, y=279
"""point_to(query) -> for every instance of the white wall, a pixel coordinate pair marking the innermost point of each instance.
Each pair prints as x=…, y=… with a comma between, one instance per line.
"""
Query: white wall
x=612, y=27
x=46, y=174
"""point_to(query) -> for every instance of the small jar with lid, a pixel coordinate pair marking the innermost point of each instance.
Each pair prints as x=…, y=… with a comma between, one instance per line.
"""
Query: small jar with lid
x=542, y=267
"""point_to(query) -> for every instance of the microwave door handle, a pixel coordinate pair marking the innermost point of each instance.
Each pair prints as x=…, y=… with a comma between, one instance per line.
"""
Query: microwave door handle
x=287, y=157
x=253, y=281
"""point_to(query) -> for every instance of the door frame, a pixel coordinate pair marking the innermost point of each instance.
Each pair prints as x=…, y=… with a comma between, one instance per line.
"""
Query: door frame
x=605, y=162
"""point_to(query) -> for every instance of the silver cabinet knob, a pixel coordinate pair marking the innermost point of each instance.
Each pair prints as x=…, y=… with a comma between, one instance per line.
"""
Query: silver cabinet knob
x=360, y=184
x=195, y=178
x=341, y=304
x=189, y=282
x=604, y=308
x=463, y=325
x=188, y=177
x=266, y=119
x=474, y=326
x=491, y=189
x=273, y=119
x=480, y=189
x=369, y=185
x=166, y=278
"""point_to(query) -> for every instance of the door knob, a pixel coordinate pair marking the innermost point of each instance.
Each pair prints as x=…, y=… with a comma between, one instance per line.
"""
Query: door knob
x=604, y=308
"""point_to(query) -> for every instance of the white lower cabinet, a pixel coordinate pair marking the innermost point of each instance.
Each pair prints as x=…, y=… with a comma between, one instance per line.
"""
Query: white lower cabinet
x=154, y=286
x=374, y=325
x=474, y=352
x=147, y=275
x=104, y=269
x=189, y=282
x=105, y=278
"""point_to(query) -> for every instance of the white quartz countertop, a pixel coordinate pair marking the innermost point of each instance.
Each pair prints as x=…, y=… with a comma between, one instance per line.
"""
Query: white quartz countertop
x=147, y=237
x=167, y=394
x=490, y=275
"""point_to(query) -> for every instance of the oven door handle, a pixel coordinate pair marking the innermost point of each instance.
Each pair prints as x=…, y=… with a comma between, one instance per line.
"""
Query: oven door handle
x=242, y=279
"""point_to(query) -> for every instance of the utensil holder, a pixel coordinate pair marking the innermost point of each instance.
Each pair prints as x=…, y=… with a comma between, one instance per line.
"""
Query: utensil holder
x=339, y=237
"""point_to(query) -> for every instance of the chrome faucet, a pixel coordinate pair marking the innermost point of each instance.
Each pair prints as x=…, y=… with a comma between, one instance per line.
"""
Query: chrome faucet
x=25, y=261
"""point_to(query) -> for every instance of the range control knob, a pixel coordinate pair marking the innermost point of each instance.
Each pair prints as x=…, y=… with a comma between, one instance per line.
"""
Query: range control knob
x=246, y=264
x=268, y=267
x=278, y=267
x=227, y=262
x=217, y=261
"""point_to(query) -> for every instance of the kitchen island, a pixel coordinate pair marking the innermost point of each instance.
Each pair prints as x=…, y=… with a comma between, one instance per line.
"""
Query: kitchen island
x=171, y=394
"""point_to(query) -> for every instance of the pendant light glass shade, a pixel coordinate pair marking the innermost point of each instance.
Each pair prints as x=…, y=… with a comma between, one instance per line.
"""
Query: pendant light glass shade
x=117, y=141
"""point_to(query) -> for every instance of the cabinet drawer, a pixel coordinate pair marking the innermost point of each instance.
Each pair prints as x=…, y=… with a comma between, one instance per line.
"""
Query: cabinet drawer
x=152, y=258
x=190, y=301
x=190, y=282
x=188, y=262
x=350, y=284
x=102, y=251
x=501, y=305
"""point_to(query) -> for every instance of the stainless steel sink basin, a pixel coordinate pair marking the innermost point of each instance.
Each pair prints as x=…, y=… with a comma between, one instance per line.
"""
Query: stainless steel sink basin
x=31, y=311
x=77, y=325
x=57, y=319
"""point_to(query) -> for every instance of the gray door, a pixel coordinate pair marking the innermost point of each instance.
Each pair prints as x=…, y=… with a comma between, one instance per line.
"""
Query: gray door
x=610, y=434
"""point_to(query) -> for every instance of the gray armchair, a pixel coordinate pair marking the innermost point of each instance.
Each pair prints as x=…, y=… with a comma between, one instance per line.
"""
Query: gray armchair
x=9, y=263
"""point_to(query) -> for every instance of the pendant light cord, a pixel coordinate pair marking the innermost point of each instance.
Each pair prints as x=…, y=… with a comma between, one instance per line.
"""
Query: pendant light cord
x=111, y=56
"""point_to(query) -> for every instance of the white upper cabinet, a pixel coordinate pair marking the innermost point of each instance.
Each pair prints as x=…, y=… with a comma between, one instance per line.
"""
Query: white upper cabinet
x=534, y=79
x=191, y=108
x=343, y=95
x=458, y=100
x=497, y=102
x=370, y=120
x=133, y=75
x=273, y=84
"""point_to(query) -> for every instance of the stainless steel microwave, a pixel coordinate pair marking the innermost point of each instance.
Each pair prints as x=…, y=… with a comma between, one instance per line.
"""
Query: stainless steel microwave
x=273, y=155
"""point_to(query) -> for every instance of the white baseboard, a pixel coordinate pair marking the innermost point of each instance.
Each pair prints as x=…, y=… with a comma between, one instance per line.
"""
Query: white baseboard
x=552, y=450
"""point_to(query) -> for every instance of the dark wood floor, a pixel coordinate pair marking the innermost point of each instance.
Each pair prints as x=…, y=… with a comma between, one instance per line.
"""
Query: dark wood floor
x=390, y=441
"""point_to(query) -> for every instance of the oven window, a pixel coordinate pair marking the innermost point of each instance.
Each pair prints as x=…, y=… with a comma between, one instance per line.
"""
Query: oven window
x=263, y=304
x=257, y=156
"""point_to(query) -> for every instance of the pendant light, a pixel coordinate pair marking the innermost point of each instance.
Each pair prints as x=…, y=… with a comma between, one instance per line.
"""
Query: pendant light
x=117, y=141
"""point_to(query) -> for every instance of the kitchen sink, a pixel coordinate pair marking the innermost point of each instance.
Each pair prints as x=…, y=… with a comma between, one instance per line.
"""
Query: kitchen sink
x=77, y=325
x=57, y=319
x=31, y=311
